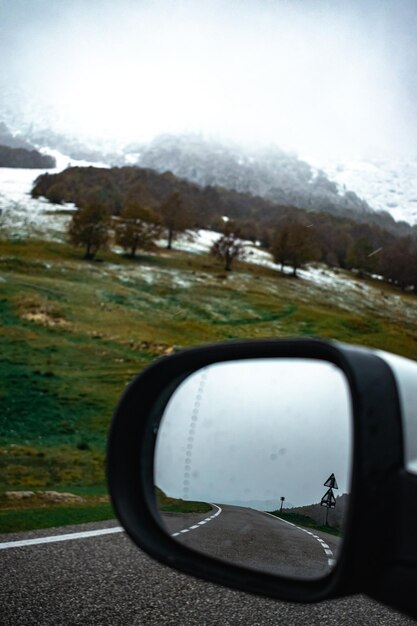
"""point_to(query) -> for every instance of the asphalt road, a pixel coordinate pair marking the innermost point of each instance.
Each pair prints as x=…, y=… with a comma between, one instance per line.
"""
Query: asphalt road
x=257, y=540
x=107, y=581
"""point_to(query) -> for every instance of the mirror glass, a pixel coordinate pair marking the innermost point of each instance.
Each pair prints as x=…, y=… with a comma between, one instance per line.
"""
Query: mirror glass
x=252, y=464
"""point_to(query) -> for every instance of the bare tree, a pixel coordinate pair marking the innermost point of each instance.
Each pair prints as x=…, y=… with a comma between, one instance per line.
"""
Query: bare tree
x=229, y=247
x=137, y=228
x=89, y=228
x=294, y=244
x=175, y=217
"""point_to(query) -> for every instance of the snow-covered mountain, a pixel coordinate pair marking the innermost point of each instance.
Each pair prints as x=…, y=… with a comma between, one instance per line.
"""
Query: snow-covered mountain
x=331, y=185
x=266, y=172
x=343, y=185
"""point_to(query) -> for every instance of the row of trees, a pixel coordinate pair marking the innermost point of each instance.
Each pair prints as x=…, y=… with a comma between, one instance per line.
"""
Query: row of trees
x=293, y=242
x=137, y=227
x=135, y=207
x=255, y=215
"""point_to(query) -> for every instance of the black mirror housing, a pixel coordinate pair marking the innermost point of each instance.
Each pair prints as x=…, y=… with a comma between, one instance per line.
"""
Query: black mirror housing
x=370, y=550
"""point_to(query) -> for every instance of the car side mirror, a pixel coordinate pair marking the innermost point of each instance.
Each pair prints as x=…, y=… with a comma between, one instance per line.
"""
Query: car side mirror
x=271, y=467
x=233, y=437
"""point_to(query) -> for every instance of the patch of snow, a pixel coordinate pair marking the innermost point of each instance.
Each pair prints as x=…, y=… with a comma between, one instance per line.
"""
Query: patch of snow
x=199, y=241
x=22, y=215
x=155, y=275
x=132, y=158
x=63, y=161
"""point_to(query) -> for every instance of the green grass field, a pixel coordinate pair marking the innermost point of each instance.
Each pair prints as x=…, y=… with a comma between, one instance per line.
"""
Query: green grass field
x=53, y=516
x=176, y=505
x=74, y=333
x=306, y=522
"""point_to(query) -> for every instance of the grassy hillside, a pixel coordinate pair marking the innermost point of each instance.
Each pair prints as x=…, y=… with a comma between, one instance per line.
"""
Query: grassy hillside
x=307, y=522
x=73, y=334
x=176, y=505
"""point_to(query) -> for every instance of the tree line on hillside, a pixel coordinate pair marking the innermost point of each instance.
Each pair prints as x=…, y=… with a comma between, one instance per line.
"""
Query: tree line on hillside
x=22, y=158
x=137, y=227
x=209, y=203
x=137, y=206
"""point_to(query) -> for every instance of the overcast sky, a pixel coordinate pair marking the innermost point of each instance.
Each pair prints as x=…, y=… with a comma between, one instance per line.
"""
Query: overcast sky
x=329, y=77
x=256, y=431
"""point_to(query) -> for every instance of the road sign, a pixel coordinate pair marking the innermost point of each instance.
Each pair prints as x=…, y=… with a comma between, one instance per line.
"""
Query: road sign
x=331, y=482
x=328, y=499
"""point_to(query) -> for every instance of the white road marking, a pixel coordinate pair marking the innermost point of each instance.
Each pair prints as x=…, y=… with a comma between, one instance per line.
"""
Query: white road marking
x=204, y=521
x=67, y=537
x=6, y=545
x=330, y=560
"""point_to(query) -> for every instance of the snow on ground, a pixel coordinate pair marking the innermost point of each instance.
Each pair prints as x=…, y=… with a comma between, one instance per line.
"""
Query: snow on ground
x=316, y=273
x=197, y=242
x=153, y=275
x=20, y=213
x=63, y=161
x=23, y=215
x=337, y=287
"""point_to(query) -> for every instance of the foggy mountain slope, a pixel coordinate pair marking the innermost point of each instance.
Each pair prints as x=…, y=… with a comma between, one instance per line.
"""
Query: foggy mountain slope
x=18, y=133
x=22, y=158
x=11, y=140
x=268, y=172
x=334, y=86
x=376, y=191
x=386, y=184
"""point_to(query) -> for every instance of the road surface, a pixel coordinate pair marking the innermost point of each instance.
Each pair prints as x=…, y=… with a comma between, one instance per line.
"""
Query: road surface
x=255, y=539
x=106, y=581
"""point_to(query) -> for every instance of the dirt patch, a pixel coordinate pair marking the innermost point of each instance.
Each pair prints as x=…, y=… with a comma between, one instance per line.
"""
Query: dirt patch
x=45, y=496
x=38, y=310
x=43, y=318
x=159, y=349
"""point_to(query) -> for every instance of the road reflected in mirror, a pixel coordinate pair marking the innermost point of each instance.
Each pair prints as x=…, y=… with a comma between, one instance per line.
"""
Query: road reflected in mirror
x=253, y=464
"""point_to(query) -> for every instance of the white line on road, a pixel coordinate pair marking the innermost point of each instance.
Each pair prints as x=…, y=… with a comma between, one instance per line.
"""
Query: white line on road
x=53, y=538
x=6, y=545
x=330, y=556
x=199, y=524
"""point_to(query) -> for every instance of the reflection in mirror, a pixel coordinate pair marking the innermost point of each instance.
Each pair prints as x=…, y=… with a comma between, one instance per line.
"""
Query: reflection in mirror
x=252, y=464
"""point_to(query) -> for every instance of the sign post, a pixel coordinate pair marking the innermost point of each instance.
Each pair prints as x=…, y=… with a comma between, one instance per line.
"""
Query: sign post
x=282, y=502
x=328, y=500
